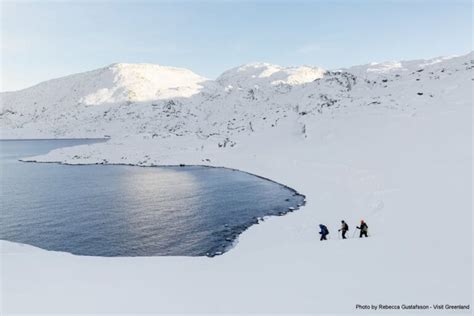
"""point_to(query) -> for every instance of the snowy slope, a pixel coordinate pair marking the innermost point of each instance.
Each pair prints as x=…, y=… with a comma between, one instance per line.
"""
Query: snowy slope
x=390, y=143
x=54, y=108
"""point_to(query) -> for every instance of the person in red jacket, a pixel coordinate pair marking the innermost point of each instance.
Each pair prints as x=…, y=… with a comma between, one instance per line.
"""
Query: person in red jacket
x=364, y=229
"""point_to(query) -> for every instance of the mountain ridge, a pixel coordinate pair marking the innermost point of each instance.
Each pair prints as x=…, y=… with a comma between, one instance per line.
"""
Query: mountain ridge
x=159, y=101
x=423, y=62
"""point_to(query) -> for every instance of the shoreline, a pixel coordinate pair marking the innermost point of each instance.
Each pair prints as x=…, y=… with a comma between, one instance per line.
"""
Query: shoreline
x=236, y=234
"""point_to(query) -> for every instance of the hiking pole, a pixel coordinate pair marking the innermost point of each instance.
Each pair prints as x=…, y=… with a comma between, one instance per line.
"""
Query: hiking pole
x=353, y=235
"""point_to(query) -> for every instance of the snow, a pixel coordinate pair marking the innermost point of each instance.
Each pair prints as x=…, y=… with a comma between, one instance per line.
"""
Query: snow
x=142, y=82
x=56, y=102
x=264, y=74
x=360, y=144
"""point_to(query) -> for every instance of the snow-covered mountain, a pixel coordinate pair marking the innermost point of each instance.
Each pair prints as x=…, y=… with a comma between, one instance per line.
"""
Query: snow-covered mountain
x=156, y=101
x=264, y=74
x=82, y=98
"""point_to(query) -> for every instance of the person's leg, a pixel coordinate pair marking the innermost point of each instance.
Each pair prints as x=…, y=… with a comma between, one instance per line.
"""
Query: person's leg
x=365, y=234
x=344, y=234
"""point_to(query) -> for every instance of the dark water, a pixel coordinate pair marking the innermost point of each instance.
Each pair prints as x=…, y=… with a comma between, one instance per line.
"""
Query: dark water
x=106, y=210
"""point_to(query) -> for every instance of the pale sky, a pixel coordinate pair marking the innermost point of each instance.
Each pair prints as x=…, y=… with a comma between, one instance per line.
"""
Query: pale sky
x=41, y=40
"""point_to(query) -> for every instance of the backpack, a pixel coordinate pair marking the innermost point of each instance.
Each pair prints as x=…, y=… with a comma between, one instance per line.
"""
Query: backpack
x=325, y=230
x=364, y=227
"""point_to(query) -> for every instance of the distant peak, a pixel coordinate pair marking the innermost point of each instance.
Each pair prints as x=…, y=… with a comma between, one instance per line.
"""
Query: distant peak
x=261, y=73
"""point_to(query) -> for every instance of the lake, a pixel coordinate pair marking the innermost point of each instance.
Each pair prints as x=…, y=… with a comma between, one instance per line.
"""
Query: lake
x=115, y=210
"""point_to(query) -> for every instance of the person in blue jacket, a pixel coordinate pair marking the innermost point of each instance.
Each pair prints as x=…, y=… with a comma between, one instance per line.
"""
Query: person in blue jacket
x=324, y=231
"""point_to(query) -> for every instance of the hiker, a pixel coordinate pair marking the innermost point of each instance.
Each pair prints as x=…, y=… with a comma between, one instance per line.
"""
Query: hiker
x=324, y=231
x=344, y=228
x=363, y=229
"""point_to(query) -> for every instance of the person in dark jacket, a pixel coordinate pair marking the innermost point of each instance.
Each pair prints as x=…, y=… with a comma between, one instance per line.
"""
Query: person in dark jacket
x=324, y=231
x=364, y=229
x=344, y=228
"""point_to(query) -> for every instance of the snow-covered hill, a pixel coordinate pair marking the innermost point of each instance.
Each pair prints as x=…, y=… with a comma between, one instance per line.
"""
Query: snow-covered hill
x=264, y=75
x=86, y=98
x=156, y=101
x=390, y=143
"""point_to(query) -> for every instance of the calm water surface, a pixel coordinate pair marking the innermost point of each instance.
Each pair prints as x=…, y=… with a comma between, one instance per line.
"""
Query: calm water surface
x=106, y=210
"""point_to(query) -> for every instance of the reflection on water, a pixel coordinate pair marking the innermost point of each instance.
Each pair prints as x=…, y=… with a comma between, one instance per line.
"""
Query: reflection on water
x=129, y=211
